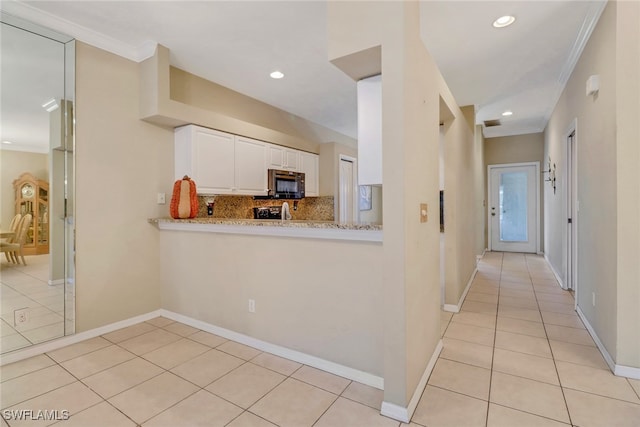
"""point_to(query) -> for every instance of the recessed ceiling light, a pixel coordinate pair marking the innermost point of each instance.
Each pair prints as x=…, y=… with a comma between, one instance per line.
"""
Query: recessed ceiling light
x=504, y=21
x=7, y=142
x=276, y=75
x=507, y=113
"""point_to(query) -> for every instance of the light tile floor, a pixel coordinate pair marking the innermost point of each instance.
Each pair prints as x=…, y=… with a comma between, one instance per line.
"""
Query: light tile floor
x=26, y=286
x=516, y=355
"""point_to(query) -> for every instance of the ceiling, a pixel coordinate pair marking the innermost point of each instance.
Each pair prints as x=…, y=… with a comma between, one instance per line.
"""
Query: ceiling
x=522, y=68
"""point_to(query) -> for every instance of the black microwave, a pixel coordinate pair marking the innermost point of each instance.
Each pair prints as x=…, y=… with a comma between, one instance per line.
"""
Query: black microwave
x=286, y=184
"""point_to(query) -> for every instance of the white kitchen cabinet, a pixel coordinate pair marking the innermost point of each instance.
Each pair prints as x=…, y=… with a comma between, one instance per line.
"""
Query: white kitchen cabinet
x=219, y=162
x=310, y=164
x=207, y=156
x=251, y=175
x=282, y=158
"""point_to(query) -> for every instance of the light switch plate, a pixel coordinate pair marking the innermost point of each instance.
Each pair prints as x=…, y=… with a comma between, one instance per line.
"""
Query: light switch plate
x=162, y=199
x=424, y=210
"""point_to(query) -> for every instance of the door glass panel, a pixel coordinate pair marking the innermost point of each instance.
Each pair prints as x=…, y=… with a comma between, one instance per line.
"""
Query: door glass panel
x=513, y=207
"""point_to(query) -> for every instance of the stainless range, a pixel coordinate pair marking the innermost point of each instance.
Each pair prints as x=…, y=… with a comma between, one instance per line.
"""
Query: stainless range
x=267, y=212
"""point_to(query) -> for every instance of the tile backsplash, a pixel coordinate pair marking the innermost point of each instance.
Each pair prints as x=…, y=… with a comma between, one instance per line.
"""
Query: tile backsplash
x=241, y=207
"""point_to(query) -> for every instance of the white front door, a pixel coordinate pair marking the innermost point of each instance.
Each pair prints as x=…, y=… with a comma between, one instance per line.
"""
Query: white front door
x=513, y=208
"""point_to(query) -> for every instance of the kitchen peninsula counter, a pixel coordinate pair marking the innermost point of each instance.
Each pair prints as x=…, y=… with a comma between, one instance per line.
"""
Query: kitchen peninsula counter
x=291, y=228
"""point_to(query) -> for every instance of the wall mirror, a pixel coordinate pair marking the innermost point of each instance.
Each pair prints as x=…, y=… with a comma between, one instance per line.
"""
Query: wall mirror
x=37, y=68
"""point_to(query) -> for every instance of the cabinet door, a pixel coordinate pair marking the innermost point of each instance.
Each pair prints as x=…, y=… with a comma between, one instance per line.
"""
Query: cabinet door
x=213, y=158
x=309, y=164
x=251, y=175
x=275, y=157
x=291, y=160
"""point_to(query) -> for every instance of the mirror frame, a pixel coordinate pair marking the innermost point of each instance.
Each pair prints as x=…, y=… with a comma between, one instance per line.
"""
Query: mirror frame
x=67, y=106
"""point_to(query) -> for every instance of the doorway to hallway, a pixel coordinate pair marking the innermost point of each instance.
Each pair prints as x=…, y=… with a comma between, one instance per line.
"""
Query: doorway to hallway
x=514, y=216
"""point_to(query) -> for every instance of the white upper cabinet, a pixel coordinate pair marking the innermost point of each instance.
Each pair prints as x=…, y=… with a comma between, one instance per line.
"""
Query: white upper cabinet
x=219, y=162
x=223, y=163
x=310, y=164
x=251, y=175
x=207, y=156
x=370, y=131
x=282, y=158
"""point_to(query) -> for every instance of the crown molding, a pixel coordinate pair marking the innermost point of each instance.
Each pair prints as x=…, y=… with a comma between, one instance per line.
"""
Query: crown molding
x=83, y=34
x=588, y=25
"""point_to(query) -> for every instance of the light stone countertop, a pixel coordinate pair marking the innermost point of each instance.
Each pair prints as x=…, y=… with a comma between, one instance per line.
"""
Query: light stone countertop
x=362, y=232
x=271, y=223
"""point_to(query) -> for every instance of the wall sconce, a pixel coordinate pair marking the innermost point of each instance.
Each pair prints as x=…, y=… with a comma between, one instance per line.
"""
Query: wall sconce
x=552, y=174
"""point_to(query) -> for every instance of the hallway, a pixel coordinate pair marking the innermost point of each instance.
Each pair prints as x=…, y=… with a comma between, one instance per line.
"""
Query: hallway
x=519, y=346
x=516, y=355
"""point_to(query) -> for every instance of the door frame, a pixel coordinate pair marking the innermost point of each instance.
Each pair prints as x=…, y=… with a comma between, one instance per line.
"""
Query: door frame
x=489, y=198
x=571, y=242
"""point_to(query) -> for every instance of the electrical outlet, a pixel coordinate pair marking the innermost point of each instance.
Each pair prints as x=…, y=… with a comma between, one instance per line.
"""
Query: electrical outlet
x=20, y=316
x=162, y=198
x=252, y=306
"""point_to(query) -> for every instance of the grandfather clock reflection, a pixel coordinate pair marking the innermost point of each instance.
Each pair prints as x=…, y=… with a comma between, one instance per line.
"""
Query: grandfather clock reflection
x=32, y=197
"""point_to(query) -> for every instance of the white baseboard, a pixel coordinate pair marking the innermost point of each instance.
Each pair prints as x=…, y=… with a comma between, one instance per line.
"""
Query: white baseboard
x=307, y=359
x=618, y=370
x=452, y=308
x=56, y=282
x=48, y=346
x=555, y=273
x=401, y=413
x=627, y=371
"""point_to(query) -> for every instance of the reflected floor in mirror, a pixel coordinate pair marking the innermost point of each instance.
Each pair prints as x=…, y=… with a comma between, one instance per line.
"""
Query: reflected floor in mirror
x=26, y=286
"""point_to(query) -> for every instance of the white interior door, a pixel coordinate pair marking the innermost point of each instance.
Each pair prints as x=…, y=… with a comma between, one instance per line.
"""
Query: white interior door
x=347, y=191
x=513, y=208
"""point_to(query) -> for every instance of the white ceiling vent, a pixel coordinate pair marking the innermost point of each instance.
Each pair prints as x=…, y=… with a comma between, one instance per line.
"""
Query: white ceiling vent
x=491, y=123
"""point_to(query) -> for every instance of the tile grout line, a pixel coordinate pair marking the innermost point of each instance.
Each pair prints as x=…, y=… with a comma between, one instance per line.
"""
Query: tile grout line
x=495, y=336
x=564, y=397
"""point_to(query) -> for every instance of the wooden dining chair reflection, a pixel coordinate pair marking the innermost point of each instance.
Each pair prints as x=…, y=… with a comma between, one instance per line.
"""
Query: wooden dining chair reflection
x=13, y=227
x=14, y=248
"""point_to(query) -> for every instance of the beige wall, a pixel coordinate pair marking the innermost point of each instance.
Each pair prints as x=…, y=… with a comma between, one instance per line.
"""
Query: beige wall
x=198, y=101
x=628, y=177
x=518, y=149
x=193, y=90
x=411, y=89
x=480, y=189
x=460, y=209
x=608, y=174
x=12, y=165
x=122, y=163
x=515, y=149
x=319, y=297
